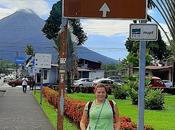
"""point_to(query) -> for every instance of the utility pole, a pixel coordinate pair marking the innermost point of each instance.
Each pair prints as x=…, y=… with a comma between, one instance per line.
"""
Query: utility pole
x=62, y=72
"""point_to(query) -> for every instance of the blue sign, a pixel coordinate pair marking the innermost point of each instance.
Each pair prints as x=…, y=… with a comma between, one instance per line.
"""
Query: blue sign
x=20, y=60
x=136, y=31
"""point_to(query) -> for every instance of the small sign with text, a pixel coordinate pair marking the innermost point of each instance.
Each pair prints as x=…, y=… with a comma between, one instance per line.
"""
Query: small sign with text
x=143, y=32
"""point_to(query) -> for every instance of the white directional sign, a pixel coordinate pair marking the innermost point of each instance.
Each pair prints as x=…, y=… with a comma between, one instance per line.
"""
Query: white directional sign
x=43, y=60
x=104, y=9
x=143, y=32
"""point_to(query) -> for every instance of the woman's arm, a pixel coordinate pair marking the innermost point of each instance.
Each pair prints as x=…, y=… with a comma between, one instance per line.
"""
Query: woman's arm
x=83, y=120
x=117, y=119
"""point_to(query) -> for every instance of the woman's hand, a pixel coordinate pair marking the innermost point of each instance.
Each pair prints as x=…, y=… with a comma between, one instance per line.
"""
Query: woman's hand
x=117, y=119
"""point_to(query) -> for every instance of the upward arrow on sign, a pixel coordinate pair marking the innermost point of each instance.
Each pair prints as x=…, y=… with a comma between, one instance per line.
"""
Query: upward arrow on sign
x=104, y=9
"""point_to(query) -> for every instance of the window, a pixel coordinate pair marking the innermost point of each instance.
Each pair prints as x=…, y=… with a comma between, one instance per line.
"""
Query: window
x=45, y=74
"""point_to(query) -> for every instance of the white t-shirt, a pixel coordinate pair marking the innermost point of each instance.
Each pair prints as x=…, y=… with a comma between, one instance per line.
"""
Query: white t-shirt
x=24, y=81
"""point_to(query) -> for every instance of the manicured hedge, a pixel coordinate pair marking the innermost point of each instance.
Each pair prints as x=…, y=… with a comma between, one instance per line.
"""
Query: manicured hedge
x=73, y=109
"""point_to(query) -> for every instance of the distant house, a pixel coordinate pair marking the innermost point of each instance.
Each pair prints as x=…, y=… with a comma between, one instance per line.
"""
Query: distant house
x=89, y=69
x=163, y=72
x=86, y=69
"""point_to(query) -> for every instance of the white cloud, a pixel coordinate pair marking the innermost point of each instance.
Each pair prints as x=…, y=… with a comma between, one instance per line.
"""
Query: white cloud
x=8, y=7
x=114, y=27
x=106, y=27
x=5, y=12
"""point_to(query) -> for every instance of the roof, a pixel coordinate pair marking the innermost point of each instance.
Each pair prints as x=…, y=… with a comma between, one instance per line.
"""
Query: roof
x=156, y=67
x=154, y=77
x=82, y=69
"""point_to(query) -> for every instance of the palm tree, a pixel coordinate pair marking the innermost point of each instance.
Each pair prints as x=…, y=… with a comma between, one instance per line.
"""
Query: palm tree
x=167, y=10
x=29, y=50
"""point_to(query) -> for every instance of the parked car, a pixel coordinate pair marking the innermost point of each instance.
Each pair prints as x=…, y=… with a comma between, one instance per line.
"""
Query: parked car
x=168, y=83
x=113, y=77
x=116, y=80
x=18, y=82
x=156, y=82
x=107, y=82
x=83, y=85
x=7, y=79
x=83, y=82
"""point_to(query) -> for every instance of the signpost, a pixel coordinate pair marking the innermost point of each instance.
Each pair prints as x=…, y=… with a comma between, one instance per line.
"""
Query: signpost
x=42, y=61
x=63, y=56
x=142, y=32
x=123, y=9
x=106, y=9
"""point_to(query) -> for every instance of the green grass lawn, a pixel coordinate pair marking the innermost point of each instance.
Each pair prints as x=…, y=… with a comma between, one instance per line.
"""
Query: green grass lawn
x=52, y=114
x=158, y=119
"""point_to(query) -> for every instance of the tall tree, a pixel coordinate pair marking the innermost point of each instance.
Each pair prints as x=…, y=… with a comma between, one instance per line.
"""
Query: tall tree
x=51, y=29
x=52, y=25
x=157, y=49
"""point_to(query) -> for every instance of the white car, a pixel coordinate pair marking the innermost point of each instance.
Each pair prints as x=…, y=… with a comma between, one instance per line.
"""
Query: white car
x=168, y=83
x=83, y=82
x=105, y=81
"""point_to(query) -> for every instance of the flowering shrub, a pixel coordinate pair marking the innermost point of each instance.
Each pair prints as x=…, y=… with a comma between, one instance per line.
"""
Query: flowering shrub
x=73, y=109
x=51, y=96
x=126, y=124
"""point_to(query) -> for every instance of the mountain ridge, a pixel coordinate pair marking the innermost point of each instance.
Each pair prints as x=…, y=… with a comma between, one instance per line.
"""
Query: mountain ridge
x=24, y=27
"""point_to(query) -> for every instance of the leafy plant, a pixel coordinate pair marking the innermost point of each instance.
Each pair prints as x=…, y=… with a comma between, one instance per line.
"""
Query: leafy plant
x=154, y=99
x=120, y=91
x=133, y=91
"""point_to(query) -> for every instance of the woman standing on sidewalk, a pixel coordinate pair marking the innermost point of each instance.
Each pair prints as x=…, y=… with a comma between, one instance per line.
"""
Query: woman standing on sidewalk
x=100, y=115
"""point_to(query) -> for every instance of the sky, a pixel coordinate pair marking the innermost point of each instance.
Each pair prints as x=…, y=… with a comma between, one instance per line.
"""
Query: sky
x=106, y=37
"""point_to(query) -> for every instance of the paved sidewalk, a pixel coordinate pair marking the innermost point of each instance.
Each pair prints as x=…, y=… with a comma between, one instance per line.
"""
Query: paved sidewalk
x=20, y=111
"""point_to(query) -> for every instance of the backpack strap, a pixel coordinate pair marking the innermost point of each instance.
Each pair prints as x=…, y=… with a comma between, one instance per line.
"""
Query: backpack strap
x=112, y=106
x=89, y=106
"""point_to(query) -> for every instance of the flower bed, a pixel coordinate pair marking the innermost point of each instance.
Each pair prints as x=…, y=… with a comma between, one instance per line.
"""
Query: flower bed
x=73, y=109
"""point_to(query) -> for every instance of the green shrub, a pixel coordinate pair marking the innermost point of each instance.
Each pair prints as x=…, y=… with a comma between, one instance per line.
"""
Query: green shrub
x=133, y=91
x=120, y=91
x=154, y=99
x=134, y=96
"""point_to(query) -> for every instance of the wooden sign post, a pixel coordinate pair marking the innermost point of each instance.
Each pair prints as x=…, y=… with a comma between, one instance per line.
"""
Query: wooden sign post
x=62, y=71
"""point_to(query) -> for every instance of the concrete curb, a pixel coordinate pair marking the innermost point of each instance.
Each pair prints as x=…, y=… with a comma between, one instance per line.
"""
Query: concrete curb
x=42, y=110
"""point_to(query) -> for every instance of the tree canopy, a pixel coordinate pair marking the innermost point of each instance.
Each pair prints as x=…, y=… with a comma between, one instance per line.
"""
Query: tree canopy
x=52, y=25
x=157, y=49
